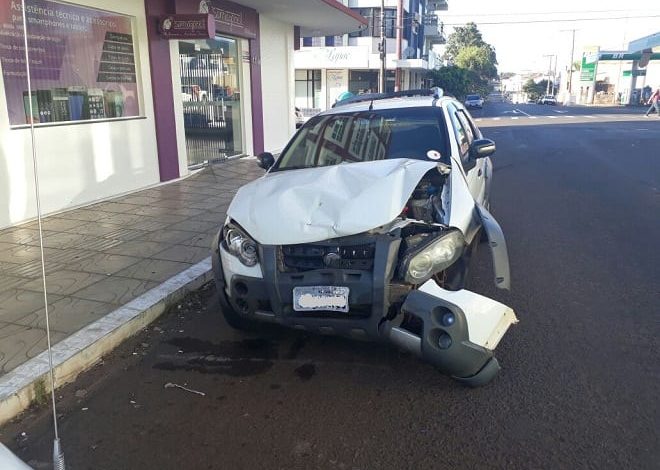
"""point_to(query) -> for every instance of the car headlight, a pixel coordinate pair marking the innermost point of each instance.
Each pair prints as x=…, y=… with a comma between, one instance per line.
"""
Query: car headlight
x=437, y=255
x=239, y=244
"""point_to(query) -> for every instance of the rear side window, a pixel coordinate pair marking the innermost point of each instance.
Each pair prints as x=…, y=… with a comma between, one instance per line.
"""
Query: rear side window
x=365, y=136
x=462, y=131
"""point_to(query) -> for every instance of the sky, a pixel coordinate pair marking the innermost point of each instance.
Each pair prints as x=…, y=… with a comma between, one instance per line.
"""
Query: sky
x=521, y=45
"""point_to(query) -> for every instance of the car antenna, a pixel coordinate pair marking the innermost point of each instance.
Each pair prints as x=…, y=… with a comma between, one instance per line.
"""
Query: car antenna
x=371, y=105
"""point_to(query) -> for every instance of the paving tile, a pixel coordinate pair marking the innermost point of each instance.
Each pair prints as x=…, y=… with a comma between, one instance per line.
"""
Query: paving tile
x=19, y=343
x=168, y=236
x=126, y=234
x=154, y=270
x=67, y=255
x=68, y=314
x=12, y=253
x=121, y=219
x=97, y=229
x=59, y=239
x=64, y=282
x=96, y=244
x=141, y=249
x=56, y=224
x=149, y=224
x=201, y=240
x=183, y=253
x=117, y=207
x=193, y=226
x=29, y=269
x=9, y=282
x=20, y=235
x=103, y=263
x=116, y=290
x=86, y=214
x=17, y=303
x=140, y=200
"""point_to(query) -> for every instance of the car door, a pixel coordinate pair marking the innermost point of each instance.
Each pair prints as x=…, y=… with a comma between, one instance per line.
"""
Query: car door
x=473, y=168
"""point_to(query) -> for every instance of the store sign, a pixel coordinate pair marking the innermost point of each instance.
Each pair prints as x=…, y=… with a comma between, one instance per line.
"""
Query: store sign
x=82, y=63
x=589, y=64
x=331, y=57
x=230, y=18
x=634, y=73
x=200, y=26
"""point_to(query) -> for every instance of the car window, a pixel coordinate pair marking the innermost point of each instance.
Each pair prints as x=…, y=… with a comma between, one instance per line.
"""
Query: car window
x=365, y=136
x=463, y=132
x=467, y=121
x=472, y=97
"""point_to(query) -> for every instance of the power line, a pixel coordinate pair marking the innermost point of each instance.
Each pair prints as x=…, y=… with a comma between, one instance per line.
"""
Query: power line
x=556, y=20
x=518, y=13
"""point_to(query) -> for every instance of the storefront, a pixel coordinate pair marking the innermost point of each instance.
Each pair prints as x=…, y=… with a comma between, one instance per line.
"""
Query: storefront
x=91, y=105
x=117, y=105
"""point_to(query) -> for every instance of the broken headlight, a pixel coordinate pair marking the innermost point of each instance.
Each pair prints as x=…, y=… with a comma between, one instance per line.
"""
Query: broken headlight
x=239, y=244
x=437, y=255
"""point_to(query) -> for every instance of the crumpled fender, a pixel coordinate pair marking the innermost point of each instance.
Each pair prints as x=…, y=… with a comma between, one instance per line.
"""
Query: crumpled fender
x=498, y=249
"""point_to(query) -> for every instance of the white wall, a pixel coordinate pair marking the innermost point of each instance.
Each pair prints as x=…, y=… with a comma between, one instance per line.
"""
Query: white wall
x=277, y=82
x=84, y=162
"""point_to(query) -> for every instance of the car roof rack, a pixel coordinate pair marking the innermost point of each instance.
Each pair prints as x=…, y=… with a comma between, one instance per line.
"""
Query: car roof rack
x=434, y=92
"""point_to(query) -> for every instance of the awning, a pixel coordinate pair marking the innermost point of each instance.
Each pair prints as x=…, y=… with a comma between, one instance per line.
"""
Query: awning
x=315, y=17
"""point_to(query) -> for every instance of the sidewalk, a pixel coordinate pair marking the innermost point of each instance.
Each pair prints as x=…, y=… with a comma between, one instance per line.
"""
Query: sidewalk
x=105, y=256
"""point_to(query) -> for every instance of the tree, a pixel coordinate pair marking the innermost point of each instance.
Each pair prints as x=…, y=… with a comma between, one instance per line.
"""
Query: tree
x=535, y=90
x=454, y=80
x=467, y=50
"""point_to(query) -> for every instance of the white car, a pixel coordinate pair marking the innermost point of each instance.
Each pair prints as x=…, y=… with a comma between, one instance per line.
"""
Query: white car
x=474, y=101
x=548, y=99
x=365, y=226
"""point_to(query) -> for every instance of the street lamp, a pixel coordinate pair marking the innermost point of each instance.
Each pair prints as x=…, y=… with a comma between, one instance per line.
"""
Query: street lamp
x=547, y=88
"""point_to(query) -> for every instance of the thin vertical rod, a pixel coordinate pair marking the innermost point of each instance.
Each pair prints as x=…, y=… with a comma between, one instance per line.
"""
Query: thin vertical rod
x=35, y=167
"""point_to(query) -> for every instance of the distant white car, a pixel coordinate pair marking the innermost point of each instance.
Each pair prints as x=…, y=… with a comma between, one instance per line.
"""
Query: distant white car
x=548, y=99
x=474, y=101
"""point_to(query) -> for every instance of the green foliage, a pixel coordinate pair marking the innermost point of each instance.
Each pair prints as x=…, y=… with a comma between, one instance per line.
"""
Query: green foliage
x=457, y=81
x=475, y=63
x=535, y=90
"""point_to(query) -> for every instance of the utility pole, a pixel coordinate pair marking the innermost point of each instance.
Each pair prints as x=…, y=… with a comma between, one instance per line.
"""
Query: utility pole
x=569, y=85
x=547, y=88
x=399, y=36
x=383, y=48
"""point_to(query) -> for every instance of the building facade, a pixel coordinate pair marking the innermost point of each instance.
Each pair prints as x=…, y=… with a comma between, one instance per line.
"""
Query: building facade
x=118, y=105
x=326, y=66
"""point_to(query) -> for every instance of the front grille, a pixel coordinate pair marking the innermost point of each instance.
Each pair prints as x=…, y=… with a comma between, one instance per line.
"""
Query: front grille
x=298, y=258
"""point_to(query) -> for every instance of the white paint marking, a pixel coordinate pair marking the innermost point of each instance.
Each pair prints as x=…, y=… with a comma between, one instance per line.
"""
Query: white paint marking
x=591, y=117
x=552, y=117
x=496, y=119
x=521, y=111
x=533, y=117
x=560, y=112
x=515, y=117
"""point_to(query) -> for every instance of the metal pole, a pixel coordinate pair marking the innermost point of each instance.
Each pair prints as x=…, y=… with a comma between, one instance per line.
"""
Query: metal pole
x=570, y=70
x=554, y=76
x=547, y=87
x=383, y=47
x=399, y=38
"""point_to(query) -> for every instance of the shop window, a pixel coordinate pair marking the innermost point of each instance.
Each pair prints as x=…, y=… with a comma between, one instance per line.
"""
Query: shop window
x=308, y=88
x=83, y=63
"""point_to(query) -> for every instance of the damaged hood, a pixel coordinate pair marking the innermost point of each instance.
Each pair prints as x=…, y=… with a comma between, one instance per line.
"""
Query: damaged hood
x=315, y=204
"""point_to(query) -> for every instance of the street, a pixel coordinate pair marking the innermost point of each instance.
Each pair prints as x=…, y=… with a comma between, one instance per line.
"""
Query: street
x=577, y=192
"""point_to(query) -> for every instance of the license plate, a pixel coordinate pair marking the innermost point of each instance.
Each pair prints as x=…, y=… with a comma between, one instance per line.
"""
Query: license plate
x=328, y=298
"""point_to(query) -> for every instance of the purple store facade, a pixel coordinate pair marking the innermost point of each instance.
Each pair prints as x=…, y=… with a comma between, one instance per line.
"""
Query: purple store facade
x=129, y=94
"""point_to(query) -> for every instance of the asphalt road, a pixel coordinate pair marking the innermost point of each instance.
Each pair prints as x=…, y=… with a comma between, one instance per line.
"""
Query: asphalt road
x=580, y=206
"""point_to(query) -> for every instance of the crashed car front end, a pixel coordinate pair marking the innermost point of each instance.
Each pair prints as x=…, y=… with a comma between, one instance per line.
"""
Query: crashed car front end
x=348, y=261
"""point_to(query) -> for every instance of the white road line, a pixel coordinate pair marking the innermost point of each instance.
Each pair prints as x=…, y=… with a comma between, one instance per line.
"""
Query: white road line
x=560, y=112
x=552, y=117
x=533, y=117
x=520, y=111
x=591, y=117
x=496, y=119
x=515, y=117
x=570, y=116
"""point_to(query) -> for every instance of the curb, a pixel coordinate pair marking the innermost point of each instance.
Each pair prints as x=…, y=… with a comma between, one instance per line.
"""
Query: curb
x=84, y=348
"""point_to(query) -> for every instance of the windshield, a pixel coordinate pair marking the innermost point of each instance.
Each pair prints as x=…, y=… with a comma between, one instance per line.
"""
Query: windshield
x=365, y=136
x=472, y=97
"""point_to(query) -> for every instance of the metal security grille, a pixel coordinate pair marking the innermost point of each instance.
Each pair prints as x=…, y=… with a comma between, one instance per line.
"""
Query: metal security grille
x=207, y=117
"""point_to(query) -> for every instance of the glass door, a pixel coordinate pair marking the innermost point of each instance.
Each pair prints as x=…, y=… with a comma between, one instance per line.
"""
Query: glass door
x=211, y=95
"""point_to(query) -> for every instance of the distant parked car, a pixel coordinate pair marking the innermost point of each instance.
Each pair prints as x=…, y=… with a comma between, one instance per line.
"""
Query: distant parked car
x=548, y=99
x=474, y=101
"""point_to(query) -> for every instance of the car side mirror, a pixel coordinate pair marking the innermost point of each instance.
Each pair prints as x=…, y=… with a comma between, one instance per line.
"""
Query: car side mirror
x=265, y=160
x=482, y=148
